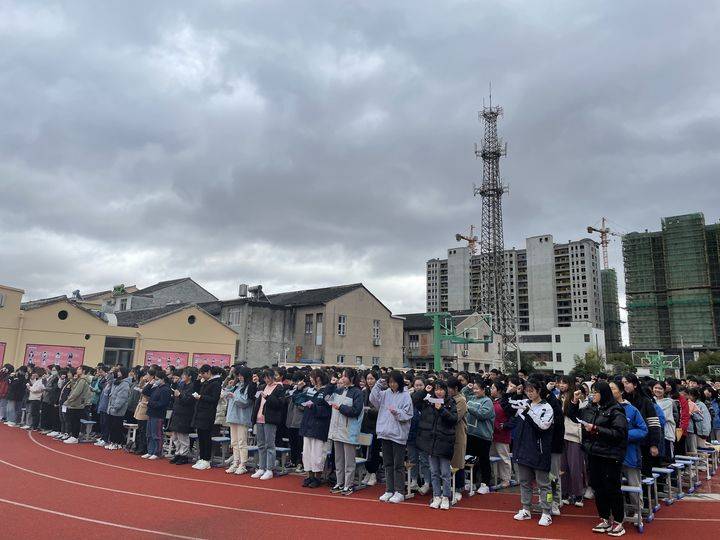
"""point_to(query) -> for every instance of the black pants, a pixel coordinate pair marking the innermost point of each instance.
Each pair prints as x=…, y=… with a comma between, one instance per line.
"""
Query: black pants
x=605, y=479
x=648, y=461
x=296, y=445
x=141, y=437
x=393, y=456
x=74, y=416
x=373, y=463
x=34, y=409
x=115, y=429
x=480, y=448
x=48, y=414
x=204, y=444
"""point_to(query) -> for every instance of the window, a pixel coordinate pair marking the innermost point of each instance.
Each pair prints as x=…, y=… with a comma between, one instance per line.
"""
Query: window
x=340, y=358
x=233, y=316
x=587, y=338
x=62, y=314
x=558, y=357
x=486, y=347
x=342, y=323
x=376, y=329
x=421, y=365
x=414, y=341
x=123, y=304
x=309, y=323
x=557, y=338
x=375, y=360
x=358, y=360
x=2, y=300
x=319, y=329
x=542, y=338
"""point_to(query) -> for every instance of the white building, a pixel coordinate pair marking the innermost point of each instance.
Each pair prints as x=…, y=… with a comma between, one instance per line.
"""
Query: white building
x=555, y=349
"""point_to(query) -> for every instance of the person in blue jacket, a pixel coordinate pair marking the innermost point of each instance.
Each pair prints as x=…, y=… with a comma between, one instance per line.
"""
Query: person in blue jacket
x=637, y=431
x=158, y=394
x=315, y=424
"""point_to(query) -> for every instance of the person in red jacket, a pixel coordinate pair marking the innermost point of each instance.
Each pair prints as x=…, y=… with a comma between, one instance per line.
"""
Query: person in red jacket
x=671, y=387
x=501, y=435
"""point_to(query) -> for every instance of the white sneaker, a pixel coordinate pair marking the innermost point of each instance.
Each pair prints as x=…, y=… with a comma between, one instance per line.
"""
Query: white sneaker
x=241, y=470
x=100, y=443
x=397, y=498
x=413, y=486
x=424, y=489
x=445, y=504
x=258, y=473
x=457, y=497
x=365, y=478
x=25, y=427
x=267, y=475
x=385, y=497
x=589, y=493
x=11, y=424
x=232, y=469
x=71, y=440
x=522, y=515
x=483, y=489
x=435, y=503
x=372, y=479
x=53, y=434
x=107, y=446
x=545, y=520
x=201, y=465
x=555, y=509
x=145, y=456
x=153, y=457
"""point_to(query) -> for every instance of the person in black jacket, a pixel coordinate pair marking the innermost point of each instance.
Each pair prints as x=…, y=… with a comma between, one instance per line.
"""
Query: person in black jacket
x=183, y=410
x=636, y=394
x=605, y=439
x=369, y=426
x=315, y=425
x=268, y=414
x=558, y=447
x=436, y=437
x=206, y=402
x=16, y=393
x=158, y=394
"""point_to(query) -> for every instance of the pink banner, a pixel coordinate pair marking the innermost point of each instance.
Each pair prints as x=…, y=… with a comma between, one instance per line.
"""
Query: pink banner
x=166, y=358
x=222, y=360
x=47, y=355
x=2, y=353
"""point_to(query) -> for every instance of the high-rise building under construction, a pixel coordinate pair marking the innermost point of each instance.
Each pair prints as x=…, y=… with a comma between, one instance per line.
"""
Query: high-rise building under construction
x=672, y=283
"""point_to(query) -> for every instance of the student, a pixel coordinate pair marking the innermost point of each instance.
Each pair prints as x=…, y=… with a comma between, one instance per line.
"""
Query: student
x=436, y=437
x=669, y=409
x=206, y=401
x=15, y=395
x=700, y=421
x=65, y=387
x=501, y=432
x=240, y=401
x=454, y=390
x=418, y=459
x=140, y=412
x=101, y=388
x=267, y=416
x=369, y=424
x=395, y=411
x=5, y=372
x=182, y=414
x=315, y=424
x=117, y=407
x=481, y=417
x=532, y=449
x=35, y=387
x=712, y=401
x=573, y=477
x=605, y=439
x=345, y=421
x=79, y=397
x=636, y=394
x=158, y=394
x=293, y=420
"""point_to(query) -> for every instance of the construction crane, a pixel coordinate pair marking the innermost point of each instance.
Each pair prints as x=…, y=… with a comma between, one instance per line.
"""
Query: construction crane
x=471, y=239
x=604, y=231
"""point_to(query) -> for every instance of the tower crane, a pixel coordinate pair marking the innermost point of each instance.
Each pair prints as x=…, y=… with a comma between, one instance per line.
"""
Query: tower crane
x=471, y=239
x=604, y=232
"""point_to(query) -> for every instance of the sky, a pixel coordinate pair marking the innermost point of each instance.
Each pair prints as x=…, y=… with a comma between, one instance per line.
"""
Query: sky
x=307, y=144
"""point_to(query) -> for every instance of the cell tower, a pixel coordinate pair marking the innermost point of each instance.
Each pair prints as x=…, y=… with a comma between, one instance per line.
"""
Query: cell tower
x=493, y=298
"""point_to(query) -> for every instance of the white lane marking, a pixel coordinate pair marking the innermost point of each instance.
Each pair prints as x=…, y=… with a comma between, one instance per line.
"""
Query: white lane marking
x=273, y=514
x=97, y=521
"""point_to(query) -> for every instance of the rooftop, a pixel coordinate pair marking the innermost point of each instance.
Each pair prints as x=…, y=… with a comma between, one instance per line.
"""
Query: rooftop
x=312, y=297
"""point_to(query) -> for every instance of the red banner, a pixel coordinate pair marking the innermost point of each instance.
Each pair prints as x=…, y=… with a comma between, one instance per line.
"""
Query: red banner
x=46, y=355
x=166, y=358
x=2, y=353
x=222, y=360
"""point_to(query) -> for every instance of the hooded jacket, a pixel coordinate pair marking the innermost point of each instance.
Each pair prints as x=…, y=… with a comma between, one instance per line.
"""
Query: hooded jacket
x=316, y=416
x=158, y=400
x=119, y=397
x=436, y=429
x=610, y=438
x=533, y=436
x=36, y=390
x=392, y=426
x=481, y=417
x=345, y=422
x=240, y=405
x=637, y=431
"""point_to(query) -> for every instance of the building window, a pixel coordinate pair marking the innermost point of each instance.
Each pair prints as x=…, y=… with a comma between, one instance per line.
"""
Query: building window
x=123, y=304
x=233, y=316
x=557, y=338
x=558, y=357
x=340, y=358
x=414, y=341
x=309, y=323
x=376, y=329
x=319, y=329
x=358, y=360
x=587, y=338
x=2, y=300
x=486, y=347
x=375, y=360
x=342, y=323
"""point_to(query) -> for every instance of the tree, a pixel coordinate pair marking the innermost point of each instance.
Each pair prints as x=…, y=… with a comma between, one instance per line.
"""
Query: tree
x=590, y=364
x=700, y=366
x=622, y=363
x=528, y=362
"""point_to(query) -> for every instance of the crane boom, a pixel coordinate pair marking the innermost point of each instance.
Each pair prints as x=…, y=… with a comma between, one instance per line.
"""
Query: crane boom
x=604, y=231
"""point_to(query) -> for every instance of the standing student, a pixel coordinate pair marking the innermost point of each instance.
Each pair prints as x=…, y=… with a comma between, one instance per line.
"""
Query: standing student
x=158, y=395
x=5, y=372
x=267, y=416
x=140, y=412
x=573, y=477
x=636, y=394
x=240, y=399
x=369, y=423
x=480, y=427
x=35, y=387
x=182, y=414
x=502, y=431
x=457, y=462
x=15, y=395
x=557, y=447
x=315, y=425
x=418, y=459
x=700, y=421
x=395, y=411
x=117, y=407
x=605, y=439
x=345, y=421
x=75, y=404
x=532, y=449
x=65, y=387
x=293, y=420
x=206, y=401
x=436, y=437
x=101, y=387
x=669, y=409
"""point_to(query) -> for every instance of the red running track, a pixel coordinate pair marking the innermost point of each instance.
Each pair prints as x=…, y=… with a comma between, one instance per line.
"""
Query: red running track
x=54, y=490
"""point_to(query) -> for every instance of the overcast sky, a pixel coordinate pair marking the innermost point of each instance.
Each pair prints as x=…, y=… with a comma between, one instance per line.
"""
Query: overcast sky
x=304, y=144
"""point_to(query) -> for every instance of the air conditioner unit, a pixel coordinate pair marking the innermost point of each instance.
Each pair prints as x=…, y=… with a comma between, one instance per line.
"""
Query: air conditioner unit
x=465, y=352
x=377, y=342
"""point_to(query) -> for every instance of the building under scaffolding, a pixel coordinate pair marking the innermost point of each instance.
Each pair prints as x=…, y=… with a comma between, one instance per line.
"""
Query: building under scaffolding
x=611, y=310
x=672, y=282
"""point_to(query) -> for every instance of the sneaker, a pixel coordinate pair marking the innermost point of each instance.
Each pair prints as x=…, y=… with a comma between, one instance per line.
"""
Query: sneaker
x=154, y=457
x=522, y=515
x=11, y=424
x=503, y=485
x=240, y=470
x=300, y=469
x=483, y=489
x=444, y=503
x=424, y=489
x=457, y=497
x=267, y=475
x=589, y=493
x=306, y=482
x=100, y=443
x=565, y=501
x=617, y=530
x=579, y=502
x=413, y=486
x=145, y=456
x=315, y=483
x=258, y=473
x=107, y=446
x=555, y=509
x=365, y=478
x=232, y=469
x=545, y=520
x=201, y=465
x=337, y=488
x=53, y=434
x=397, y=498
x=25, y=427
x=64, y=437
x=71, y=440
x=435, y=503
x=602, y=527
x=385, y=497
x=372, y=479
x=347, y=491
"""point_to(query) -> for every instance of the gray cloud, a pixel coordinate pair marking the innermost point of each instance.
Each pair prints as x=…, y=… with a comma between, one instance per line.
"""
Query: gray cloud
x=306, y=144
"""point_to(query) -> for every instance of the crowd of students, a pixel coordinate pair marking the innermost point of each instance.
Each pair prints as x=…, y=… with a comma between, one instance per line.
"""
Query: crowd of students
x=574, y=438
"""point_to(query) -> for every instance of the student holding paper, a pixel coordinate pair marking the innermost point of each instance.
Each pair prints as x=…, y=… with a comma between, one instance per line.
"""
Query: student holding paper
x=268, y=415
x=315, y=424
x=206, y=402
x=347, y=414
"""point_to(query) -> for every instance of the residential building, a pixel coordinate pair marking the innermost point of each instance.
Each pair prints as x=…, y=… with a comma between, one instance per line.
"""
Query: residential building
x=672, y=285
x=611, y=310
x=175, y=291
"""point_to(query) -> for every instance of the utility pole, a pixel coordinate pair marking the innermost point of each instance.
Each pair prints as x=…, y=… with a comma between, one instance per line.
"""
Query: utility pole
x=682, y=355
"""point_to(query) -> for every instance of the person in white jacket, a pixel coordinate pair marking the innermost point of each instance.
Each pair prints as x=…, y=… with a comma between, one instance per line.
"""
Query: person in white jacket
x=35, y=387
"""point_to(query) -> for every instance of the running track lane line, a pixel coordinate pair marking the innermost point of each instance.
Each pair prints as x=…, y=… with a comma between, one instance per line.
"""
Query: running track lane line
x=276, y=490
x=357, y=499
x=98, y=522
x=274, y=514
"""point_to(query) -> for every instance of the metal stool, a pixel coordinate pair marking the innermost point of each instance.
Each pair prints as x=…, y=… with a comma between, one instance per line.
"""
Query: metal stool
x=637, y=520
x=679, y=469
x=131, y=434
x=692, y=470
x=85, y=437
x=667, y=476
x=224, y=443
x=650, y=496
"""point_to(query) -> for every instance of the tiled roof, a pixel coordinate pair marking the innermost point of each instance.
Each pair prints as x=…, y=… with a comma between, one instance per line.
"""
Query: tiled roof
x=311, y=297
x=159, y=286
x=139, y=316
x=418, y=321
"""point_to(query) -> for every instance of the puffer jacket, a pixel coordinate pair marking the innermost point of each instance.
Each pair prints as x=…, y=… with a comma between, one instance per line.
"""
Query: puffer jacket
x=158, y=400
x=78, y=390
x=206, y=406
x=240, y=406
x=558, y=439
x=274, y=410
x=294, y=414
x=637, y=431
x=346, y=421
x=103, y=397
x=183, y=408
x=392, y=427
x=668, y=407
x=533, y=436
x=646, y=406
x=119, y=397
x=316, y=417
x=36, y=390
x=610, y=438
x=481, y=417
x=436, y=429
x=51, y=393
x=417, y=398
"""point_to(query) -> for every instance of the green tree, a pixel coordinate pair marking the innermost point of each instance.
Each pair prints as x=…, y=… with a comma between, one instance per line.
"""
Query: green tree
x=590, y=364
x=622, y=363
x=700, y=366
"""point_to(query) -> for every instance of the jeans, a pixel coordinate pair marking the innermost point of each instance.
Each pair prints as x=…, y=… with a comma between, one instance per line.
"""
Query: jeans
x=265, y=436
x=344, y=463
x=393, y=455
x=440, y=471
x=3, y=409
x=555, y=484
x=421, y=469
x=526, y=476
x=155, y=436
x=14, y=410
